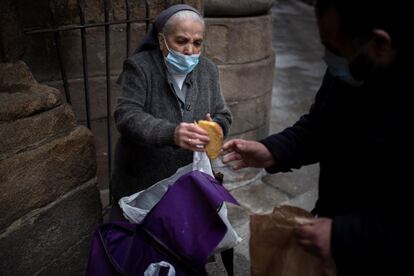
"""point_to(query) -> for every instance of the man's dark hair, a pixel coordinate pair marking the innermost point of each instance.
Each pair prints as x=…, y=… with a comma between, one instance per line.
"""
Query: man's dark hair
x=358, y=18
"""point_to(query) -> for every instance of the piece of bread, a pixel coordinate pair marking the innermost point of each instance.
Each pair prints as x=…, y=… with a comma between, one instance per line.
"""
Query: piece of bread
x=215, y=134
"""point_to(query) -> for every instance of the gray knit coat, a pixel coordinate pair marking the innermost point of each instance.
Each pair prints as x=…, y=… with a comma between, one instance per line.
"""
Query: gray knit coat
x=147, y=114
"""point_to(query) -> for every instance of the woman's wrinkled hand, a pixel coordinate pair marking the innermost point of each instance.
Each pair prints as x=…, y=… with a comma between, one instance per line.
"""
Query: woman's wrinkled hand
x=208, y=117
x=190, y=136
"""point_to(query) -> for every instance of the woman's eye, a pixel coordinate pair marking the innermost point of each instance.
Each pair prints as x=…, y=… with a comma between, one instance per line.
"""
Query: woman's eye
x=198, y=43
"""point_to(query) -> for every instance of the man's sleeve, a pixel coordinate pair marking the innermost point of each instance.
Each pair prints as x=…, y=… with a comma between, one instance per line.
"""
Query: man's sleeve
x=298, y=145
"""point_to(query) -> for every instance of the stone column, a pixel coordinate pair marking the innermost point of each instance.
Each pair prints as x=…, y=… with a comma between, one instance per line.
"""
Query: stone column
x=49, y=202
x=239, y=40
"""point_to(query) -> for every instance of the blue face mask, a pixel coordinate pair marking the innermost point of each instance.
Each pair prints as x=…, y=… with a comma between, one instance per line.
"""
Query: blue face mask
x=180, y=63
x=339, y=67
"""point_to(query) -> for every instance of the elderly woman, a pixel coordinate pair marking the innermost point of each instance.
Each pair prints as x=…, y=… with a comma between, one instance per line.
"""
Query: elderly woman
x=166, y=85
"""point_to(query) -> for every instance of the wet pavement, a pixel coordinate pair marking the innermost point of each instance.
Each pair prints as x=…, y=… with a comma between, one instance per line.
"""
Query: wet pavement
x=298, y=74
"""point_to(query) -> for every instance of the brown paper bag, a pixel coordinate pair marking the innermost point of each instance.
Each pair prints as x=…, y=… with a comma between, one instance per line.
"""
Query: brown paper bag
x=273, y=247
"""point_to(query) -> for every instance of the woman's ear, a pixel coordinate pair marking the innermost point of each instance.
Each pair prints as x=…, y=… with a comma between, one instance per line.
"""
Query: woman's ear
x=161, y=41
x=381, y=48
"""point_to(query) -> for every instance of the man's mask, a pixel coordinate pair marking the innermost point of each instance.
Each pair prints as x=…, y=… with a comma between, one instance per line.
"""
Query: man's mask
x=339, y=68
x=354, y=72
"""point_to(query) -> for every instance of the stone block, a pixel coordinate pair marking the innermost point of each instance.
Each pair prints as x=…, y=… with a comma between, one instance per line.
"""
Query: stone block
x=55, y=239
x=96, y=52
x=255, y=134
x=71, y=262
x=23, y=103
x=156, y=6
x=32, y=131
x=37, y=13
x=245, y=81
x=15, y=76
x=250, y=114
x=97, y=97
x=238, y=40
x=42, y=57
x=41, y=54
x=233, y=8
x=100, y=138
x=34, y=178
x=98, y=115
x=21, y=95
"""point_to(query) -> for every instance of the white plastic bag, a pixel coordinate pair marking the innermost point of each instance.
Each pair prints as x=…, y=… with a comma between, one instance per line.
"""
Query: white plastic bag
x=137, y=206
x=154, y=269
x=202, y=163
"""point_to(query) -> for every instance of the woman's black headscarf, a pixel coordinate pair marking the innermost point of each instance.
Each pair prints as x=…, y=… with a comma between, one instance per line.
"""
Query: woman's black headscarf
x=151, y=40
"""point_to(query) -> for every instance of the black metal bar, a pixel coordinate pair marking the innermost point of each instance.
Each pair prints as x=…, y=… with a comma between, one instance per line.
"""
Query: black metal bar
x=79, y=27
x=108, y=91
x=82, y=26
x=81, y=4
x=62, y=68
x=128, y=26
x=147, y=14
x=52, y=8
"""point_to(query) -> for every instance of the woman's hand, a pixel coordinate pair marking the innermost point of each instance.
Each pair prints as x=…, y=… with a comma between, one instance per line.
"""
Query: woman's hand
x=208, y=117
x=247, y=154
x=191, y=137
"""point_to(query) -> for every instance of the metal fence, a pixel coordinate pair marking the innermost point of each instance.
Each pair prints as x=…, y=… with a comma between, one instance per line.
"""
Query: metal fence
x=56, y=30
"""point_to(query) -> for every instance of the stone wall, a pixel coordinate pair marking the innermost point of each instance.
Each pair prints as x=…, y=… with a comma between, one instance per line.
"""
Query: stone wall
x=242, y=48
x=49, y=204
x=239, y=40
x=236, y=8
x=41, y=57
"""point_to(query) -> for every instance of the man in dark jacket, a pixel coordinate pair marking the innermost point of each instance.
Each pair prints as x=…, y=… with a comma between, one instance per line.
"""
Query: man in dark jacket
x=358, y=131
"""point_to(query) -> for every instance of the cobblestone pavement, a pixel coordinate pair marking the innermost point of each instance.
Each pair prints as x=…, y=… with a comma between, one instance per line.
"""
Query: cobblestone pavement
x=298, y=73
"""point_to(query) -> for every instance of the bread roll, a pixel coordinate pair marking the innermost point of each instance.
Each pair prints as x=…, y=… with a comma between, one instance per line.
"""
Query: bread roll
x=215, y=134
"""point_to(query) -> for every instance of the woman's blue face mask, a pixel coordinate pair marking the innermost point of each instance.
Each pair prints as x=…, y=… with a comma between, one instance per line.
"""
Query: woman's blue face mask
x=180, y=63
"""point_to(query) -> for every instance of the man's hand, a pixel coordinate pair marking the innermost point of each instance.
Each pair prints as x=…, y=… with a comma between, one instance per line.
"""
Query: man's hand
x=246, y=154
x=315, y=237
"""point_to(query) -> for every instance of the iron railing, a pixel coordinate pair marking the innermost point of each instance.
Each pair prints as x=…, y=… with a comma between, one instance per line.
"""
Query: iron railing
x=56, y=30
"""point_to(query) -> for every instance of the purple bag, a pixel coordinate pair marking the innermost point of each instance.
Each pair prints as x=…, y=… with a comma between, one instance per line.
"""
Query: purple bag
x=183, y=229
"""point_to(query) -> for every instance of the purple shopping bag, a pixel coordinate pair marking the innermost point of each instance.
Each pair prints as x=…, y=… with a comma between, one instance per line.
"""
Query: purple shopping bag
x=183, y=229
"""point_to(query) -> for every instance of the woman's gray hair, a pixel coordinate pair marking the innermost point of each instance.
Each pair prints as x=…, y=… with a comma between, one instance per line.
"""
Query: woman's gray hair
x=181, y=16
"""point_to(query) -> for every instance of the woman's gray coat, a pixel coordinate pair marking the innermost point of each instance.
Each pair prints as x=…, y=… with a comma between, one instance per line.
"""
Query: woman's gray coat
x=147, y=114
